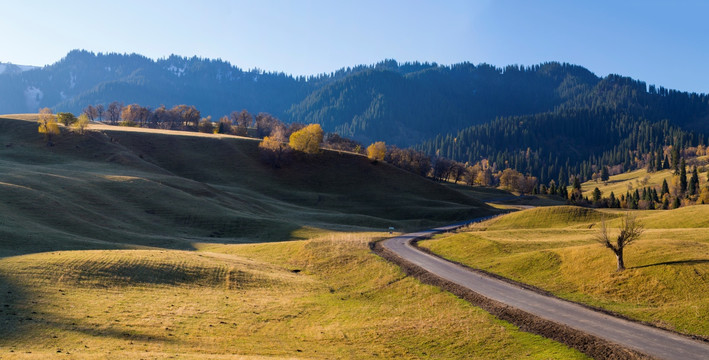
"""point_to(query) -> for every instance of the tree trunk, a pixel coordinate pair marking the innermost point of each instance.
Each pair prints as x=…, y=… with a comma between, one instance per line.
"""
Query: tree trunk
x=619, y=256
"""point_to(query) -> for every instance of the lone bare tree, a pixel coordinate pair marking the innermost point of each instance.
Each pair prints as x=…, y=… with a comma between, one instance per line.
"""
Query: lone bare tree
x=630, y=231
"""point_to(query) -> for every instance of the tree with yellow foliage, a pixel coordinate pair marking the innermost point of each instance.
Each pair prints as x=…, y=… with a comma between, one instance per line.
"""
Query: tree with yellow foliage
x=274, y=149
x=307, y=139
x=81, y=123
x=377, y=151
x=48, y=125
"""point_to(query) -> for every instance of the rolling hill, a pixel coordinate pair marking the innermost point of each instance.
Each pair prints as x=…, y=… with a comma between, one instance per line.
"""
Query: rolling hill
x=158, y=244
x=550, y=120
x=106, y=189
x=553, y=249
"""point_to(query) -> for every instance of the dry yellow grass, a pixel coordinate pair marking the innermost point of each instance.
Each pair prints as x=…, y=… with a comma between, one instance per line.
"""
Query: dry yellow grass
x=123, y=244
x=665, y=283
x=326, y=298
x=630, y=181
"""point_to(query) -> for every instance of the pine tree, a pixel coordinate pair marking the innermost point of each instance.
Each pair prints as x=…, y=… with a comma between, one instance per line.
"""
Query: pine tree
x=675, y=159
x=577, y=184
x=693, y=182
x=665, y=188
x=604, y=173
x=675, y=203
x=683, y=176
x=596, y=195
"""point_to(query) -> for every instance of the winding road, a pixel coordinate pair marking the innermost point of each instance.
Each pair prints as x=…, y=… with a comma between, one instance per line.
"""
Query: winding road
x=648, y=340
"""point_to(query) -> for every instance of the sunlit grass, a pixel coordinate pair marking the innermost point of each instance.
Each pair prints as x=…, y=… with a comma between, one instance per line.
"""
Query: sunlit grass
x=668, y=268
x=326, y=298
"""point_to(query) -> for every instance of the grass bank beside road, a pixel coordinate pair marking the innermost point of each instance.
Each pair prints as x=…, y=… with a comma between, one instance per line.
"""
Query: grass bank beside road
x=666, y=283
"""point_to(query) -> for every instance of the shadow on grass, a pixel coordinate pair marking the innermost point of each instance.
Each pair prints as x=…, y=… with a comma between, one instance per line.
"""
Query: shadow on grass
x=677, y=262
x=21, y=317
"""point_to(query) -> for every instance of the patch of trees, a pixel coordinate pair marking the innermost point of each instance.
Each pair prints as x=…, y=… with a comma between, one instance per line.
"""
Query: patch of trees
x=566, y=144
x=48, y=124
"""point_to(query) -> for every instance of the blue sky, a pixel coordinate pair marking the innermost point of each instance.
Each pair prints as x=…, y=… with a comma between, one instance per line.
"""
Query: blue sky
x=660, y=42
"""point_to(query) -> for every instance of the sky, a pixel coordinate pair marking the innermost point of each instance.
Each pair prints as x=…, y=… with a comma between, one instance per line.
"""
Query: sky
x=665, y=43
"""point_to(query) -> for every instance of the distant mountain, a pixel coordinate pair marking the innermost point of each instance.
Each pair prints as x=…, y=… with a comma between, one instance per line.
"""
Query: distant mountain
x=463, y=111
x=8, y=68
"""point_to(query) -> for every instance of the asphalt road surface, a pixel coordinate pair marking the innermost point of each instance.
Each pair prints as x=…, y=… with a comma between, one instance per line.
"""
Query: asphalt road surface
x=645, y=339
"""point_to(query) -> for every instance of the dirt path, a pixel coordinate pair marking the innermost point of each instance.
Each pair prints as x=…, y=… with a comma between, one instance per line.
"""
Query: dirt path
x=648, y=340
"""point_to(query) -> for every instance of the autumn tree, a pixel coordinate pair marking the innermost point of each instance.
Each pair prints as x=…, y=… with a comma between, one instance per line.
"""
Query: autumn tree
x=509, y=179
x=100, y=111
x=136, y=115
x=377, y=151
x=187, y=115
x=241, y=120
x=91, y=112
x=81, y=123
x=274, y=149
x=409, y=159
x=113, y=112
x=224, y=126
x=307, y=139
x=442, y=168
x=266, y=124
x=206, y=125
x=47, y=125
x=630, y=231
x=336, y=142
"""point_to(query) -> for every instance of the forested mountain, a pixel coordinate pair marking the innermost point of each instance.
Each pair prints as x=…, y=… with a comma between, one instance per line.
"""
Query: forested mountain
x=83, y=78
x=545, y=119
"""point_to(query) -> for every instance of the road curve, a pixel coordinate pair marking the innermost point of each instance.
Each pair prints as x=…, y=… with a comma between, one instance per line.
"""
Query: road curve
x=648, y=340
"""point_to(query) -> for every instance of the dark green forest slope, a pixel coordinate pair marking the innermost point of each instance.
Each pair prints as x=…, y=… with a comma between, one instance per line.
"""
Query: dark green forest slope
x=551, y=120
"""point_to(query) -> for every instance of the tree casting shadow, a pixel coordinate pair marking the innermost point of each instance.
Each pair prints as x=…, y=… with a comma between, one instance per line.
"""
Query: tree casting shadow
x=677, y=262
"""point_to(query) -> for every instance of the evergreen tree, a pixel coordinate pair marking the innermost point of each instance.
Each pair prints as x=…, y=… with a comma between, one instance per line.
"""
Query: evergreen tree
x=683, y=176
x=665, y=188
x=693, y=182
x=658, y=160
x=666, y=203
x=577, y=184
x=604, y=173
x=596, y=195
x=675, y=159
x=676, y=203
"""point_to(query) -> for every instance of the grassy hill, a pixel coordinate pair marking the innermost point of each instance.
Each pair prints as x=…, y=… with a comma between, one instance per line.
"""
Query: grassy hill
x=638, y=179
x=553, y=249
x=324, y=298
x=111, y=188
x=121, y=244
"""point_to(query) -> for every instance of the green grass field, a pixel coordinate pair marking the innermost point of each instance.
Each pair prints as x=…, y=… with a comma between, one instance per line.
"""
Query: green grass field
x=119, y=245
x=666, y=283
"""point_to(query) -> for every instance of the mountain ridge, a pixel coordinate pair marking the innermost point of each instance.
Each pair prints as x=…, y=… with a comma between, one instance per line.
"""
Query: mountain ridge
x=405, y=104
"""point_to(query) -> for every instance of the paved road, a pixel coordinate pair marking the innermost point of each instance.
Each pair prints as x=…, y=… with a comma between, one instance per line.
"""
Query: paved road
x=648, y=340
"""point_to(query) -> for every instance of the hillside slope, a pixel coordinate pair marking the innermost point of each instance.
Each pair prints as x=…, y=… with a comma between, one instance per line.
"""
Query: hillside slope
x=112, y=188
x=554, y=249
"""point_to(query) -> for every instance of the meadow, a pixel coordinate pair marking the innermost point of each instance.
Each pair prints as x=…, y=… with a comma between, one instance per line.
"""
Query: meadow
x=121, y=244
x=666, y=282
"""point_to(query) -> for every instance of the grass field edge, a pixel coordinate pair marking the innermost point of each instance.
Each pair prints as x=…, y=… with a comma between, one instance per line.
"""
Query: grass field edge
x=588, y=344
